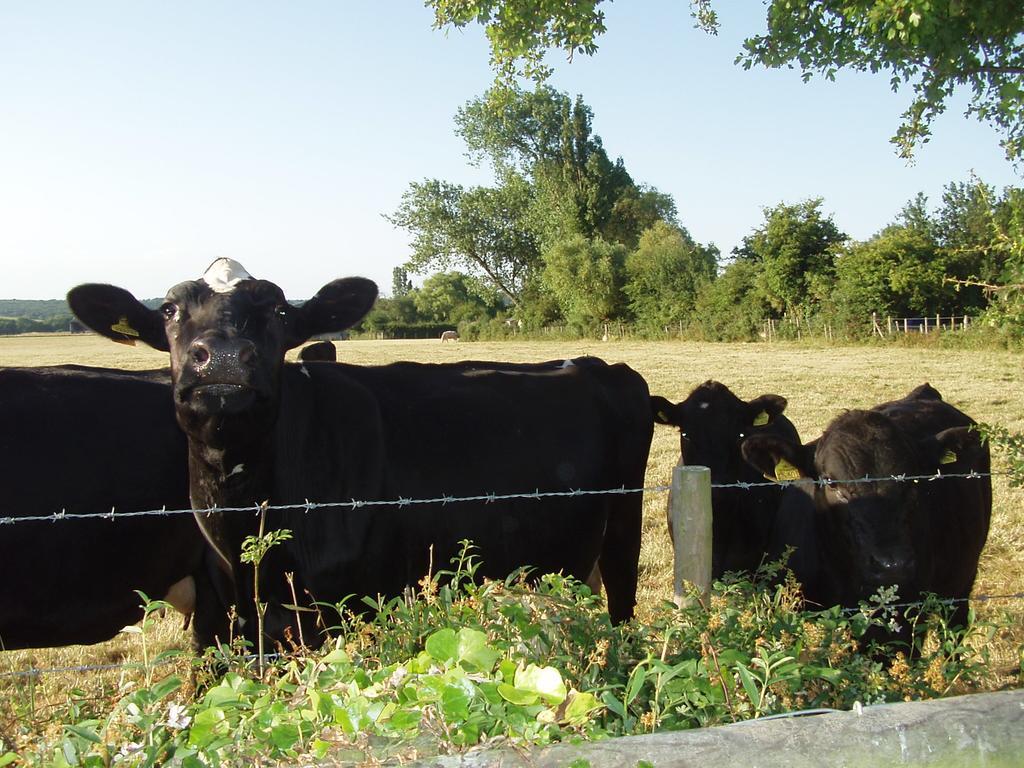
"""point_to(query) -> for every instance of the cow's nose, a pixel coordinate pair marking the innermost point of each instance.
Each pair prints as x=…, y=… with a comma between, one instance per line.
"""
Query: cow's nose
x=209, y=352
x=888, y=569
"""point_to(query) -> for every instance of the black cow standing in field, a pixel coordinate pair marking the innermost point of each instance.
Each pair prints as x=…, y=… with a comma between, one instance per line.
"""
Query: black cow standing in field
x=853, y=538
x=91, y=441
x=712, y=424
x=261, y=431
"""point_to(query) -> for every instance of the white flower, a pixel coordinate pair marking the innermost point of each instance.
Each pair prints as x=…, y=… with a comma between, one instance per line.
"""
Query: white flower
x=176, y=717
x=398, y=676
x=130, y=749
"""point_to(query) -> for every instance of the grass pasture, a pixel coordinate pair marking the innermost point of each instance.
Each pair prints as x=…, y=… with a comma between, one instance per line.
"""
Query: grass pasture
x=819, y=382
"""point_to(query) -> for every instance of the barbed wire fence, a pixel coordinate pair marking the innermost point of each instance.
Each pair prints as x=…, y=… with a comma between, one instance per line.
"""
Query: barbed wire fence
x=310, y=506
x=690, y=510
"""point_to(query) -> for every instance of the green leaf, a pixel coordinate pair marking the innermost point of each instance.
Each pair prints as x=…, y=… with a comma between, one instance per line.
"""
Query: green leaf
x=749, y=685
x=544, y=681
x=284, y=736
x=635, y=683
x=206, y=725
x=405, y=719
x=613, y=704
x=517, y=696
x=580, y=707
x=455, y=703
x=7, y=758
x=337, y=656
x=86, y=733
x=474, y=651
x=443, y=645
x=166, y=686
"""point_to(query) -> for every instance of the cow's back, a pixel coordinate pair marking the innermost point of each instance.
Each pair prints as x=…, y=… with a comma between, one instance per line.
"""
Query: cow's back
x=87, y=440
x=421, y=431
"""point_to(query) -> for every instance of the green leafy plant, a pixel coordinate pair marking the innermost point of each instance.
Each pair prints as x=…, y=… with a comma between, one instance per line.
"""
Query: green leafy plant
x=254, y=549
x=525, y=660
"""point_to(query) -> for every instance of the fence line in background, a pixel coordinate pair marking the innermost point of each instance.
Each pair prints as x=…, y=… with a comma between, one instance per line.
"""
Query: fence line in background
x=537, y=495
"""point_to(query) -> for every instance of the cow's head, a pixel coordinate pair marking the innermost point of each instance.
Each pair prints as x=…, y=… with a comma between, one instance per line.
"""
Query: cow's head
x=712, y=422
x=870, y=533
x=227, y=334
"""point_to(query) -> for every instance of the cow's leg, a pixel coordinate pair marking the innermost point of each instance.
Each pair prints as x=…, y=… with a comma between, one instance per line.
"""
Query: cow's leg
x=213, y=597
x=620, y=556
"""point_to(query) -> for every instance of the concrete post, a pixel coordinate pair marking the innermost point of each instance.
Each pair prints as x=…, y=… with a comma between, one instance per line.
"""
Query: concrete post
x=691, y=522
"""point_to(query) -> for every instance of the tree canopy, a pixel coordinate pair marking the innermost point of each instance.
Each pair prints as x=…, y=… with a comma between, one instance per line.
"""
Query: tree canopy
x=931, y=47
x=557, y=195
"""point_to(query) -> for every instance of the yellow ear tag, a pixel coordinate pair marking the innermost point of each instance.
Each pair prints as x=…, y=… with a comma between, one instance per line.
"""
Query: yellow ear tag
x=761, y=419
x=947, y=458
x=121, y=326
x=786, y=471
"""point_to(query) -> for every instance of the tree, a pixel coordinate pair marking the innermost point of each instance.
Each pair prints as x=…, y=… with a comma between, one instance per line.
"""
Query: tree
x=388, y=313
x=481, y=229
x=548, y=138
x=453, y=297
x=732, y=307
x=520, y=31
x=554, y=182
x=585, y=276
x=897, y=272
x=967, y=225
x=665, y=273
x=794, y=250
x=931, y=46
x=400, y=282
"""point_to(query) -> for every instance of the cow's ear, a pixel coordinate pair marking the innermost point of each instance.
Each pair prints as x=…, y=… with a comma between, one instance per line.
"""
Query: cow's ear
x=959, y=445
x=113, y=312
x=924, y=392
x=338, y=305
x=764, y=409
x=778, y=459
x=663, y=411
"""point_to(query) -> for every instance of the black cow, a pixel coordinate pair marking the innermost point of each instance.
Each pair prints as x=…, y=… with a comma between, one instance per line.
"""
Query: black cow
x=712, y=424
x=92, y=441
x=319, y=352
x=261, y=431
x=853, y=538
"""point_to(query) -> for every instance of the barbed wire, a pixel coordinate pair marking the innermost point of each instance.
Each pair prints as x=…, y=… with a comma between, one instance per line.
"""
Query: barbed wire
x=489, y=498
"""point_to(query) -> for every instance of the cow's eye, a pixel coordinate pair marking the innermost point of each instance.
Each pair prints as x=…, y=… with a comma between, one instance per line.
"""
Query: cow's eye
x=281, y=309
x=835, y=491
x=169, y=310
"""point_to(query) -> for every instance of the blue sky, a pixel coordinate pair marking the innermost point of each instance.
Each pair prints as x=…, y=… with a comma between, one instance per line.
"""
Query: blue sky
x=141, y=140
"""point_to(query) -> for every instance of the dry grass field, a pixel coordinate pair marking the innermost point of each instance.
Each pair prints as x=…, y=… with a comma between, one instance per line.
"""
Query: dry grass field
x=818, y=381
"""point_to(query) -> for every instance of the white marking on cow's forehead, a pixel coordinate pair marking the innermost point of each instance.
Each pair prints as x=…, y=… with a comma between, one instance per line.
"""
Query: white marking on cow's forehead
x=704, y=406
x=224, y=274
x=567, y=364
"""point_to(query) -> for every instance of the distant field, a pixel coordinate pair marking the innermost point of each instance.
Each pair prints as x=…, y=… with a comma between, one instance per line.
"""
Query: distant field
x=818, y=381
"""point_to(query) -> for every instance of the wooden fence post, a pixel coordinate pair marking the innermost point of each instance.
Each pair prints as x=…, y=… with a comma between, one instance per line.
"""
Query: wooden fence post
x=691, y=522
